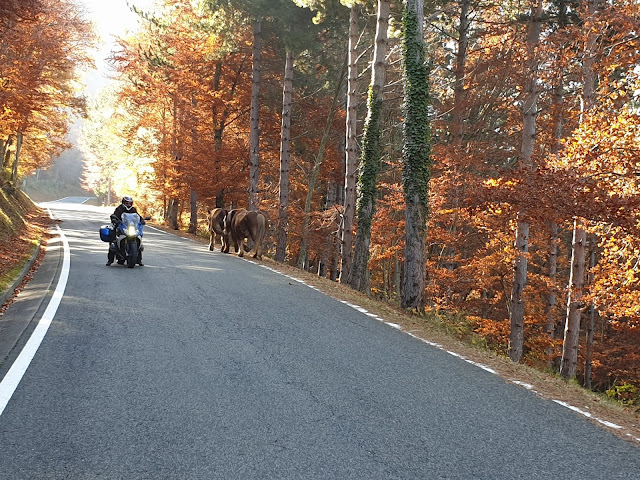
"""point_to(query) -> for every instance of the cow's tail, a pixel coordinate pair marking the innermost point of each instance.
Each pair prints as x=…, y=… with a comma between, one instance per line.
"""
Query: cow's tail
x=212, y=235
x=262, y=228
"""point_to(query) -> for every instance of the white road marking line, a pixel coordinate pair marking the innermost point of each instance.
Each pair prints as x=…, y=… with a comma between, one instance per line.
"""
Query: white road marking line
x=16, y=372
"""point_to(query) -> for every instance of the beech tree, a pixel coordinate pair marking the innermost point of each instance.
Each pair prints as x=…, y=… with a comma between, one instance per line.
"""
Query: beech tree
x=579, y=242
x=529, y=113
x=43, y=46
x=188, y=96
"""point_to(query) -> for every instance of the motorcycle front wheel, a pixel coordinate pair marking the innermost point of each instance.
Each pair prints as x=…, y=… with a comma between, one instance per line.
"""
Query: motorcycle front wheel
x=132, y=254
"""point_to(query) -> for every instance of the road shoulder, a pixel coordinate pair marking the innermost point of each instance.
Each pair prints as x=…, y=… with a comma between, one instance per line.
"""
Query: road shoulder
x=18, y=320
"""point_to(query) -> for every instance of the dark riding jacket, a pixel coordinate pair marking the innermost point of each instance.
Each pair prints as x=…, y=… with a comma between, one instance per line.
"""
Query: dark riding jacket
x=117, y=214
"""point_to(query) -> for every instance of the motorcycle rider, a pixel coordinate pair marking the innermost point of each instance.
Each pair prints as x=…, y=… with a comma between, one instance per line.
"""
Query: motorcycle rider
x=126, y=206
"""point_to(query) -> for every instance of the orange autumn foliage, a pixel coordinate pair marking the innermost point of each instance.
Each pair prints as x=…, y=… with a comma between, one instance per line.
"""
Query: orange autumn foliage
x=43, y=46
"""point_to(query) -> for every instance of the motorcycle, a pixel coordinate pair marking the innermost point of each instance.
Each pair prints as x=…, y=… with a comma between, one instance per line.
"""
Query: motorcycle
x=125, y=238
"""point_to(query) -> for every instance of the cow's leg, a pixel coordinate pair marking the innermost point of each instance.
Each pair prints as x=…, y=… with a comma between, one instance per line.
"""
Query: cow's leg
x=254, y=248
x=235, y=242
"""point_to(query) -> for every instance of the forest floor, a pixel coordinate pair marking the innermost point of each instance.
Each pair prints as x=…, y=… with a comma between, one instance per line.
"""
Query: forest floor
x=24, y=226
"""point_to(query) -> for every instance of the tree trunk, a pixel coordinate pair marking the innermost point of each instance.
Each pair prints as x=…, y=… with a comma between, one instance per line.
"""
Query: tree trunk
x=416, y=156
x=371, y=154
x=558, y=100
x=172, y=213
x=397, y=279
x=220, y=120
x=550, y=327
x=588, y=360
x=323, y=260
x=351, y=150
x=5, y=152
x=574, y=303
x=578, y=254
x=331, y=250
x=216, y=123
x=333, y=259
x=529, y=113
x=172, y=210
x=558, y=127
x=588, y=356
x=193, y=198
x=516, y=336
x=220, y=199
x=254, y=154
x=315, y=171
x=16, y=161
x=457, y=124
x=285, y=154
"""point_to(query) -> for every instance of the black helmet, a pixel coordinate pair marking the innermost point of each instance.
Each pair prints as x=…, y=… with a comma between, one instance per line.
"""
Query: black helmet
x=127, y=202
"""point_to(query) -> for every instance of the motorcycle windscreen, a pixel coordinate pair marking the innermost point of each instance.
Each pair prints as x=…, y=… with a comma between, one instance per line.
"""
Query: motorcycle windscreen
x=130, y=224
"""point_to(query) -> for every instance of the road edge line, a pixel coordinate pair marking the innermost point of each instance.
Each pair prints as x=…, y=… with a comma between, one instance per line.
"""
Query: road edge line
x=13, y=377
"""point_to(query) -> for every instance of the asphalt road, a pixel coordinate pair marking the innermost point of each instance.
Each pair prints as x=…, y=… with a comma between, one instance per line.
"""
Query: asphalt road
x=201, y=365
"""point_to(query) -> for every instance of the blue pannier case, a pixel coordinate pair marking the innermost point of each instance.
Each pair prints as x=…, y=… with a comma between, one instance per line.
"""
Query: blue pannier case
x=107, y=233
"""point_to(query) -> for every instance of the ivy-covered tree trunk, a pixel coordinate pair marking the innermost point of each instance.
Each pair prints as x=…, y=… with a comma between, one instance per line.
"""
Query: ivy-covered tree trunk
x=351, y=160
x=370, y=160
x=254, y=154
x=416, y=155
x=285, y=154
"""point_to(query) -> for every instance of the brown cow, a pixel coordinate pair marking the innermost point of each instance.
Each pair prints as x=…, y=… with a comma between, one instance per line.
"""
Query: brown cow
x=240, y=224
x=216, y=229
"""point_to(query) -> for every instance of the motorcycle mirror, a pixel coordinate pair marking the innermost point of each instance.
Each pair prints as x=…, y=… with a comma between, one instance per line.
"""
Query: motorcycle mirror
x=147, y=218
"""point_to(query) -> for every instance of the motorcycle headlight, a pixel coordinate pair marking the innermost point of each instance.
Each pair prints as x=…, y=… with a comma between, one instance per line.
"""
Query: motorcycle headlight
x=131, y=231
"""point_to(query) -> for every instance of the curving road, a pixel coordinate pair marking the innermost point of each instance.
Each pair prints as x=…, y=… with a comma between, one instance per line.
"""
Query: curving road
x=201, y=365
